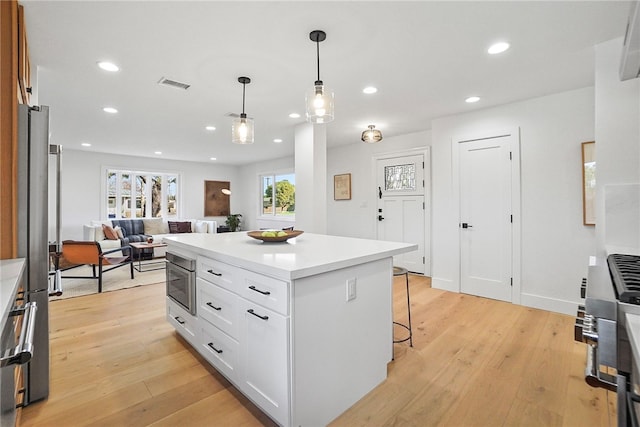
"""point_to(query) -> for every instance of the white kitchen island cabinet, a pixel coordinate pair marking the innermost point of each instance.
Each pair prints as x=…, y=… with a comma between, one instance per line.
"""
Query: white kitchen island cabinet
x=302, y=328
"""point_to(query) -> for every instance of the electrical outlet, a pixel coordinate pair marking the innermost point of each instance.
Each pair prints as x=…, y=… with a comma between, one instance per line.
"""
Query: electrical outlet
x=351, y=289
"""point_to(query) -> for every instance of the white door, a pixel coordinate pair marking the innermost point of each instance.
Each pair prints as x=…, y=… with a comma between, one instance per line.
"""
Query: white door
x=401, y=207
x=485, y=218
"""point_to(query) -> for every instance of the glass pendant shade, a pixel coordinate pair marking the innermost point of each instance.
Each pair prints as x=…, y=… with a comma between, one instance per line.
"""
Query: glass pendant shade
x=371, y=135
x=319, y=100
x=242, y=130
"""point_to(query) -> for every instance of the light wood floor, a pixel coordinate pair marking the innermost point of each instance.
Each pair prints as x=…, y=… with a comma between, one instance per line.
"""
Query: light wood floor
x=115, y=361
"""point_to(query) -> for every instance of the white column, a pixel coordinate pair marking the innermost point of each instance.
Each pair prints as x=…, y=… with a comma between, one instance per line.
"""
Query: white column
x=311, y=178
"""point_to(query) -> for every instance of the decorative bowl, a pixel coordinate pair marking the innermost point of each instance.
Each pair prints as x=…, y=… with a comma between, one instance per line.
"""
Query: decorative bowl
x=290, y=235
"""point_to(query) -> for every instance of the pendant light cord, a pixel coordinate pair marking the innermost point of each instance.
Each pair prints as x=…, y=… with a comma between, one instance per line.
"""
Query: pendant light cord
x=318, y=57
x=244, y=85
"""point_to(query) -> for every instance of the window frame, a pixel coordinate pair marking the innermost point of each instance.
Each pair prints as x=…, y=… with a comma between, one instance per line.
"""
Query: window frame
x=274, y=216
x=133, y=177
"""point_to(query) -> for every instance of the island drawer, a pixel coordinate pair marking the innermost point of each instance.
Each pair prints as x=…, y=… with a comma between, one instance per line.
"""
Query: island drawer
x=266, y=291
x=184, y=323
x=218, y=306
x=220, y=350
x=217, y=272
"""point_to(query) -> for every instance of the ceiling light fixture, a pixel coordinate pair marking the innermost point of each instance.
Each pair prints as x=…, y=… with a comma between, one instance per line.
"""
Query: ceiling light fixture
x=212, y=158
x=319, y=99
x=158, y=152
x=277, y=140
x=242, y=129
x=110, y=110
x=371, y=135
x=369, y=90
x=108, y=66
x=472, y=99
x=498, y=48
x=86, y=144
x=294, y=115
x=210, y=128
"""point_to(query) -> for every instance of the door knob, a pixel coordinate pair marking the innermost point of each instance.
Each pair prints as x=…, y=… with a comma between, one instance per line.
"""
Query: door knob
x=380, y=217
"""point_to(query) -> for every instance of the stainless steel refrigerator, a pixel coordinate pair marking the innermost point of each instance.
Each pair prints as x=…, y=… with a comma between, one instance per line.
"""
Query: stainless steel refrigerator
x=33, y=240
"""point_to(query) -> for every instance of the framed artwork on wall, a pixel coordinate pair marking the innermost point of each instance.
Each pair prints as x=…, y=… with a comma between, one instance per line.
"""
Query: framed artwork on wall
x=216, y=202
x=589, y=183
x=342, y=187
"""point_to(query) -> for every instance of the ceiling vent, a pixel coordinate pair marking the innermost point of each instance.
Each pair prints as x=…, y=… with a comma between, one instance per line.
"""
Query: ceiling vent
x=172, y=83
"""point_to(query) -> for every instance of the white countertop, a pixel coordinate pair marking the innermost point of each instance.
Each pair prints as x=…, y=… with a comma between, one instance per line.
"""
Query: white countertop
x=306, y=255
x=10, y=272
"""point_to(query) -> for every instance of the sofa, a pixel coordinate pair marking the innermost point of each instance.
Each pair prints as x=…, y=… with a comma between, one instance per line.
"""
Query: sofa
x=139, y=230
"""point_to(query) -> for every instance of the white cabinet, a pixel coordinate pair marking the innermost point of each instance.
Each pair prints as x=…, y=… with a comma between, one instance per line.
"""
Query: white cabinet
x=184, y=323
x=264, y=358
x=244, y=332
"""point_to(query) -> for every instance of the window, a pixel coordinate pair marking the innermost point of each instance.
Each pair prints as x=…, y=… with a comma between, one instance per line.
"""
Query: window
x=282, y=202
x=138, y=194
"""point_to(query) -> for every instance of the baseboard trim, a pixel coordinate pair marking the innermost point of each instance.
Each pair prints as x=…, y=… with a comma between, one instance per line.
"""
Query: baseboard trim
x=444, y=284
x=549, y=304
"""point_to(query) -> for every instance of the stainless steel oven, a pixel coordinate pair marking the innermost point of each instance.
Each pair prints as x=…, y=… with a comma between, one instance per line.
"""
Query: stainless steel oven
x=181, y=281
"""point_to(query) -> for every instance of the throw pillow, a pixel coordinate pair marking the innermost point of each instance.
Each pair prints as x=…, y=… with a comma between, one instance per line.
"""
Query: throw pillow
x=201, y=227
x=179, y=227
x=119, y=232
x=109, y=232
x=153, y=226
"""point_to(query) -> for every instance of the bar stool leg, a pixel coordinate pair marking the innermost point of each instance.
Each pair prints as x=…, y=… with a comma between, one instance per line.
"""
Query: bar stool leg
x=406, y=276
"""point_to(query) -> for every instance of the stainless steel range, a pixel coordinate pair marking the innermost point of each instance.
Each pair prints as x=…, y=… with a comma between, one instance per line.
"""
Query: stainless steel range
x=611, y=290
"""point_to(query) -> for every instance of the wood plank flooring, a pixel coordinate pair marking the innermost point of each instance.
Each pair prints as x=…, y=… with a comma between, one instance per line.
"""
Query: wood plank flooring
x=115, y=361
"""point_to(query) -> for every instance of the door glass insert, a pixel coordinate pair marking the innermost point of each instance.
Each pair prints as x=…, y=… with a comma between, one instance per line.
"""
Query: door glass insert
x=400, y=177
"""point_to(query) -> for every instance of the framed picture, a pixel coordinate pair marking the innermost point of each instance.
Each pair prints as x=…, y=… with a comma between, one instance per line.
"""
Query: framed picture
x=216, y=203
x=588, y=183
x=342, y=187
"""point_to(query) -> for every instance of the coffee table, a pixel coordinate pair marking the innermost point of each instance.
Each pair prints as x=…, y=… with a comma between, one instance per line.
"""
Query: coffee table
x=145, y=245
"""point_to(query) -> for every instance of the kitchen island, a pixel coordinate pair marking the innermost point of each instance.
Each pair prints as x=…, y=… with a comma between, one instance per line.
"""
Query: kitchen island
x=303, y=328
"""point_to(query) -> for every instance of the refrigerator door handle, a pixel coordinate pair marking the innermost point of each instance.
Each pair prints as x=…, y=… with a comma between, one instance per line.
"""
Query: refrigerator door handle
x=23, y=352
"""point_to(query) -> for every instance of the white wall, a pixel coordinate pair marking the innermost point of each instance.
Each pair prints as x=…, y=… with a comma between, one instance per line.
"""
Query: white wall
x=555, y=244
x=246, y=200
x=617, y=130
x=82, y=182
x=357, y=217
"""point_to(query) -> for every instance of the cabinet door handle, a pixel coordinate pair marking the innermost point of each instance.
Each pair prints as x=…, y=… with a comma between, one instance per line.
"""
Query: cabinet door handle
x=214, y=273
x=213, y=348
x=214, y=307
x=253, y=288
x=250, y=311
x=179, y=320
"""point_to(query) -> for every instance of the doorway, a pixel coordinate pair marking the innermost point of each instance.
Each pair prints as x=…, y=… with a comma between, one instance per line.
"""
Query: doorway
x=489, y=199
x=402, y=183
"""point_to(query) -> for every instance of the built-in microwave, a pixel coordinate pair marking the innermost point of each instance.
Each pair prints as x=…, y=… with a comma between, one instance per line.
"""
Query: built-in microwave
x=181, y=281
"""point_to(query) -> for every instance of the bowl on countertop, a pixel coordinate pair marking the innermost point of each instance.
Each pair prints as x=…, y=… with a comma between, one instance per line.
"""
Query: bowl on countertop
x=290, y=235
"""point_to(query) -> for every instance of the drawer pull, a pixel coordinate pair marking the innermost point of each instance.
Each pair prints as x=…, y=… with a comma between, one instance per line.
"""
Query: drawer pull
x=250, y=311
x=253, y=288
x=214, y=307
x=214, y=273
x=213, y=348
x=179, y=320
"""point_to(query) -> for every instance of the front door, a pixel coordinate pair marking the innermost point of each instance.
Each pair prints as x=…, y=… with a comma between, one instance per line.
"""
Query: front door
x=485, y=217
x=401, y=207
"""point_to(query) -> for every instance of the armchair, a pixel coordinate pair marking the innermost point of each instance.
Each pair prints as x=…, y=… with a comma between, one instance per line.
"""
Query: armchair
x=89, y=252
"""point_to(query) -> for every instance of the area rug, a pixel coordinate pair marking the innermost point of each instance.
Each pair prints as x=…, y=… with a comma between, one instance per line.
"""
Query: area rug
x=117, y=279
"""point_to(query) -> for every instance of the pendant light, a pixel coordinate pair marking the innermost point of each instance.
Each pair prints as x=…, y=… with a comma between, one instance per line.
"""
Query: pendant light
x=371, y=135
x=319, y=99
x=242, y=129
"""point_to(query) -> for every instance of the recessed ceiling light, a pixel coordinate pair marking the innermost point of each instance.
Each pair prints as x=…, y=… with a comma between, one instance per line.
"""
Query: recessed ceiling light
x=498, y=48
x=472, y=99
x=158, y=152
x=370, y=89
x=277, y=140
x=109, y=110
x=294, y=115
x=86, y=144
x=210, y=128
x=212, y=158
x=108, y=66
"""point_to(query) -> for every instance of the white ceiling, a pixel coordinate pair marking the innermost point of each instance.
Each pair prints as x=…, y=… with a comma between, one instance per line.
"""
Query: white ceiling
x=424, y=57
